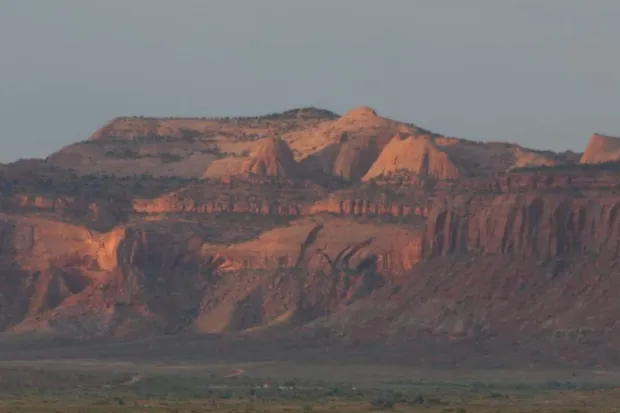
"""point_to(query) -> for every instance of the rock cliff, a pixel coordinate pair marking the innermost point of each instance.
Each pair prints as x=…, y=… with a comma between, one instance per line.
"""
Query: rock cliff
x=531, y=225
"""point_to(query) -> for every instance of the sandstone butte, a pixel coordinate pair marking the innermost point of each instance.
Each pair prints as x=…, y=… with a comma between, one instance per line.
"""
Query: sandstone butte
x=305, y=228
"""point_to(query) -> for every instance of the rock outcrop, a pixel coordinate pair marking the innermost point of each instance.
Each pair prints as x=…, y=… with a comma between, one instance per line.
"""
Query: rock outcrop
x=531, y=225
x=345, y=147
x=415, y=154
x=306, y=203
x=530, y=159
x=601, y=149
x=157, y=278
x=273, y=158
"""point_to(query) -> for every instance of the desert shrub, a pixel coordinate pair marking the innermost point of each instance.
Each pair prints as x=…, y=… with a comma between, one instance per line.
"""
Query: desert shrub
x=382, y=402
x=418, y=400
x=122, y=153
x=612, y=166
x=189, y=135
x=168, y=157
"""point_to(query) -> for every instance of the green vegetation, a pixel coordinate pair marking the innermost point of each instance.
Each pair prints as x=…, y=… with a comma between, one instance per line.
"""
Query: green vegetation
x=128, y=153
x=304, y=113
x=423, y=131
x=167, y=157
x=215, y=151
x=612, y=166
x=103, y=387
x=282, y=122
x=123, y=153
x=153, y=139
x=95, y=186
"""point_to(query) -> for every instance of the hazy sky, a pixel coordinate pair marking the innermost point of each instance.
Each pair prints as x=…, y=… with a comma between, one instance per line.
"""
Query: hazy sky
x=544, y=73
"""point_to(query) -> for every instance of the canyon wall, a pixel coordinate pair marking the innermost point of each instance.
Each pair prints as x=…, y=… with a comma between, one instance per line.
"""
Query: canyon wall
x=535, y=225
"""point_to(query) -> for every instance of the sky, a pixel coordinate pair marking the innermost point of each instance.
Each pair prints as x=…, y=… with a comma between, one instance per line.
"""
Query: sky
x=545, y=74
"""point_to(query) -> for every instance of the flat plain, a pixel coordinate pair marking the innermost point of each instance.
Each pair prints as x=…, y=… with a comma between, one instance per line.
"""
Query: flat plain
x=98, y=386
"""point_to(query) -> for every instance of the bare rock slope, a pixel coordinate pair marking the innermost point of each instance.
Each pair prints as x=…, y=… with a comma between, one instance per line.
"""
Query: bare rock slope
x=601, y=148
x=417, y=155
x=272, y=157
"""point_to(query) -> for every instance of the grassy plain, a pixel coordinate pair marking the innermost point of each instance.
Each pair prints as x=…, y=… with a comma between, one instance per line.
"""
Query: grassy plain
x=82, y=385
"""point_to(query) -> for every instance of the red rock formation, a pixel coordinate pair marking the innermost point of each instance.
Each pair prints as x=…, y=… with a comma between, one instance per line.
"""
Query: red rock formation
x=368, y=208
x=600, y=149
x=448, y=255
x=531, y=225
x=258, y=206
x=416, y=154
x=272, y=157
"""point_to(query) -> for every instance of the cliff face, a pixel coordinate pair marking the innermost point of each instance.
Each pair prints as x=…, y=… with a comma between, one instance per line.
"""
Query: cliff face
x=45, y=262
x=284, y=208
x=98, y=214
x=37, y=243
x=167, y=205
x=281, y=197
x=533, y=225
